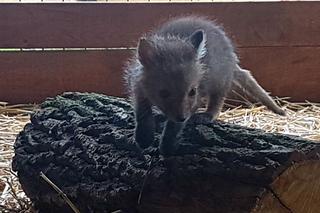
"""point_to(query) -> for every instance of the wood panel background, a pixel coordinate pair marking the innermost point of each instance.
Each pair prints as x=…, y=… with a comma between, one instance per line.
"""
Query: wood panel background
x=33, y=76
x=119, y=25
x=278, y=41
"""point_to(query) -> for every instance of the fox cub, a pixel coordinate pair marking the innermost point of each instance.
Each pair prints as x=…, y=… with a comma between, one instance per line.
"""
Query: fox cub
x=176, y=65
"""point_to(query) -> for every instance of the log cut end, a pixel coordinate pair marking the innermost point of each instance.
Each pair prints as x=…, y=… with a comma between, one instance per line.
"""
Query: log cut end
x=296, y=190
x=84, y=144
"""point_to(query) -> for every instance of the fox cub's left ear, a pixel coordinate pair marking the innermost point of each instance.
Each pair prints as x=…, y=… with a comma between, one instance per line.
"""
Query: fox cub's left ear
x=198, y=40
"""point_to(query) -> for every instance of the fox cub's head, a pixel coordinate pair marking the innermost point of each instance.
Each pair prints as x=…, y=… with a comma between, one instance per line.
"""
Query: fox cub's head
x=172, y=71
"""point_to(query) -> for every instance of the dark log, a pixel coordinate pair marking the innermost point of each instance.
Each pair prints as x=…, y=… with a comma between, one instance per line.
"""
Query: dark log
x=83, y=143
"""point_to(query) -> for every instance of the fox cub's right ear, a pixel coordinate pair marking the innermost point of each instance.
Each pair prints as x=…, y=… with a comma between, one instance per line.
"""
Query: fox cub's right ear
x=145, y=51
x=198, y=40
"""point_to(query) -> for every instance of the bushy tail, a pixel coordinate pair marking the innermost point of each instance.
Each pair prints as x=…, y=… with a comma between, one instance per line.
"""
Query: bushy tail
x=245, y=80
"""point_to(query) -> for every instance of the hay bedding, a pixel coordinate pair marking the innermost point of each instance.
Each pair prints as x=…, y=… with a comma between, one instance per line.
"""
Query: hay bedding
x=303, y=119
x=12, y=120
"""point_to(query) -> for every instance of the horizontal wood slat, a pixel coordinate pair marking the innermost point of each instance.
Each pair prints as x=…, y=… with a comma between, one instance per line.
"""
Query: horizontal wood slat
x=286, y=71
x=251, y=24
x=33, y=76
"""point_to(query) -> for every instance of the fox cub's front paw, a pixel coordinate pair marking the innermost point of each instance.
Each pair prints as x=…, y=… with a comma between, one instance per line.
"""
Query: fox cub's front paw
x=144, y=137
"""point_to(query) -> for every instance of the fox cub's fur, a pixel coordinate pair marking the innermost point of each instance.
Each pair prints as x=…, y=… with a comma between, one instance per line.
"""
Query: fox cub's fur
x=176, y=65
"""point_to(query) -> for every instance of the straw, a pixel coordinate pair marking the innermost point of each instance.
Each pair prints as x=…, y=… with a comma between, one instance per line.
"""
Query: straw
x=12, y=120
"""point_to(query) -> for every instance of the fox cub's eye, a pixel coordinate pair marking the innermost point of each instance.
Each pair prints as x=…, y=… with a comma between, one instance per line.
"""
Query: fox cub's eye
x=164, y=93
x=192, y=92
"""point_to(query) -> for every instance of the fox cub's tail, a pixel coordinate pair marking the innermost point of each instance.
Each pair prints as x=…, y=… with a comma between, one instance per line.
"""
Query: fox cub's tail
x=246, y=81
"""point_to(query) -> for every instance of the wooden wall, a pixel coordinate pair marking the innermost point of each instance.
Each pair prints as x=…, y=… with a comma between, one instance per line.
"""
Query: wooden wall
x=278, y=41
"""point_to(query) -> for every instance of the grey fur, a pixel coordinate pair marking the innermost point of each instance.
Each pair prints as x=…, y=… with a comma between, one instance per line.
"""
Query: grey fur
x=183, y=56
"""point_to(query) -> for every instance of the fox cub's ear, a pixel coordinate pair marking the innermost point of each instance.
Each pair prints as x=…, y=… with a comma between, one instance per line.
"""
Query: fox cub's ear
x=198, y=40
x=145, y=51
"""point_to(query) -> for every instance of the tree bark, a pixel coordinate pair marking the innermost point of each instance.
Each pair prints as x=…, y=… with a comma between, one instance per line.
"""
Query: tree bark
x=84, y=144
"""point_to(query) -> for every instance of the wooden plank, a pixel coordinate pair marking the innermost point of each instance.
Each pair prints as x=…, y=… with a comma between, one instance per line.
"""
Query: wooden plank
x=33, y=76
x=251, y=24
x=286, y=71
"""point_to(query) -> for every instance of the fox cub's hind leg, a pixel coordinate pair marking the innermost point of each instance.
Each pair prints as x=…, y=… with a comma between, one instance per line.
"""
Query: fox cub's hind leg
x=245, y=80
x=144, y=131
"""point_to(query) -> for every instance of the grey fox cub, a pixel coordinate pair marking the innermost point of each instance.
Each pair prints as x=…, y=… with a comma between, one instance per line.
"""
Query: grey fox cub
x=182, y=61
